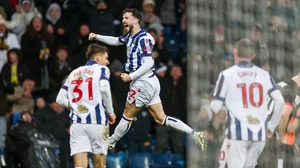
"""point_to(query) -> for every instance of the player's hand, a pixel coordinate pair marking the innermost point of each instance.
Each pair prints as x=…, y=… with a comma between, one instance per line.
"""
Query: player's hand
x=92, y=36
x=270, y=134
x=111, y=119
x=125, y=77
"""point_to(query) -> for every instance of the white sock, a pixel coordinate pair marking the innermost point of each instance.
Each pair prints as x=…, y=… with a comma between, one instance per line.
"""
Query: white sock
x=122, y=128
x=178, y=125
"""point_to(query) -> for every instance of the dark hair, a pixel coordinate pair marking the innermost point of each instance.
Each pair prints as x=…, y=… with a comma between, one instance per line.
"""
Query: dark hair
x=135, y=13
x=245, y=48
x=94, y=49
x=17, y=51
x=62, y=47
x=42, y=34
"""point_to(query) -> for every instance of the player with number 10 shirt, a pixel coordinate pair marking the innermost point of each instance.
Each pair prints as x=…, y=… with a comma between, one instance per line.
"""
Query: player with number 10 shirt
x=244, y=88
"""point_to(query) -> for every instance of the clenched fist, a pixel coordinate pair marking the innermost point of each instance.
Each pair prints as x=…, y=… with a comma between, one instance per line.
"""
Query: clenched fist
x=125, y=77
x=92, y=36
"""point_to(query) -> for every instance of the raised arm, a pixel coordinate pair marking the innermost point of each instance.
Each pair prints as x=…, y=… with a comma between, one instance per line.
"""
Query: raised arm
x=110, y=40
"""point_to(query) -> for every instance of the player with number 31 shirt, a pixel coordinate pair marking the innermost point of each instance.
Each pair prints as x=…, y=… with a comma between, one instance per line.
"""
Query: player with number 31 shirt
x=87, y=93
x=244, y=88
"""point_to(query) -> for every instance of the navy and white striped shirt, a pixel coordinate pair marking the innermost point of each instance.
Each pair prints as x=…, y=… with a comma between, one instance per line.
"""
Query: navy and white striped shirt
x=84, y=94
x=244, y=89
x=139, y=45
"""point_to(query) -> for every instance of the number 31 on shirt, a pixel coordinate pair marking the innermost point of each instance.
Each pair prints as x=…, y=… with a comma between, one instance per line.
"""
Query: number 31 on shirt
x=77, y=90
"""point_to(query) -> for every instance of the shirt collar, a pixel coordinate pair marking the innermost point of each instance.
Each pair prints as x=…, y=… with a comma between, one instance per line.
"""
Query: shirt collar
x=244, y=64
x=138, y=33
x=90, y=62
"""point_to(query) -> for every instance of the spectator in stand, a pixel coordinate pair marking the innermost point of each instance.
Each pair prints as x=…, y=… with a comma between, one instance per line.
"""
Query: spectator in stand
x=140, y=133
x=150, y=20
x=100, y=18
x=40, y=104
x=22, y=100
x=7, y=41
x=37, y=45
x=54, y=120
x=14, y=73
x=4, y=89
x=55, y=24
x=25, y=12
x=174, y=104
x=262, y=53
x=19, y=145
x=79, y=50
x=168, y=12
x=7, y=7
x=160, y=52
x=59, y=68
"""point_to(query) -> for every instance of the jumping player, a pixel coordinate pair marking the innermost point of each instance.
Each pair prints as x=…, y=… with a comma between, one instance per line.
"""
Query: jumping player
x=144, y=87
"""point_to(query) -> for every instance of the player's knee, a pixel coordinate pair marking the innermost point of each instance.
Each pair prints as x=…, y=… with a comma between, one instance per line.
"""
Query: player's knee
x=159, y=120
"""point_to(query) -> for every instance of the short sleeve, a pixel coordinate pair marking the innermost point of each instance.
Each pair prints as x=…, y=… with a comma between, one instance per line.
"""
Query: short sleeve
x=65, y=86
x=273, y=85
x=105, y=73
x=220, y=89
x=146, y=47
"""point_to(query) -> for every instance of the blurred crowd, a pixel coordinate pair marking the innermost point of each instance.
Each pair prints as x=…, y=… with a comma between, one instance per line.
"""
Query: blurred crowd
x=42, y=41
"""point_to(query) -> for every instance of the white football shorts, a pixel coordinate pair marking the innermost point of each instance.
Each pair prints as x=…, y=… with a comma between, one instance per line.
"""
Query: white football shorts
x=144, y=91
x=223, y=154
x=243, y=154
x=89, y=138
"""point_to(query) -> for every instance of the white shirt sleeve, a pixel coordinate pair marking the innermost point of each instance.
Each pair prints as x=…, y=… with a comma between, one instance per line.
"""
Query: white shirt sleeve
x=147, y=64
x=219, y=94
x=62, y=97
x=106, y=91
x=278, y=106
x=114, y=41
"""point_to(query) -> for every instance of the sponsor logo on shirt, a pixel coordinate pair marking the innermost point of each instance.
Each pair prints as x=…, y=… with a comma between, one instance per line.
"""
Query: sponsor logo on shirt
x=253, y=120
x=82, y=109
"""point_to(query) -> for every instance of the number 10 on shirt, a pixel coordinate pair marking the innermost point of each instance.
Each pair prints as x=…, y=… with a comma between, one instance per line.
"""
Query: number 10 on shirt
x=248, y=94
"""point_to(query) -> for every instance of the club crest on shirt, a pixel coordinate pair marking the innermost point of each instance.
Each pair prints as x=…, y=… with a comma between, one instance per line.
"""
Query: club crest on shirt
x=82, y=109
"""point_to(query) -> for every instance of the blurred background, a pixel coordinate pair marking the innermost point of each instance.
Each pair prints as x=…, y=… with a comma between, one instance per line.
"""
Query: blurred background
x=42, y=41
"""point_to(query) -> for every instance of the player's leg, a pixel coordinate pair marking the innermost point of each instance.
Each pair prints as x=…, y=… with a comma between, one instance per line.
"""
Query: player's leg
x=159, y=116
x=98, y=135
x=237, y=153
x=124, y=124
x=99, y=160
x=254, y=151
x=80, y=145
x=81, y=160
